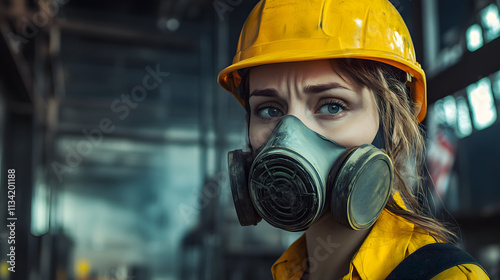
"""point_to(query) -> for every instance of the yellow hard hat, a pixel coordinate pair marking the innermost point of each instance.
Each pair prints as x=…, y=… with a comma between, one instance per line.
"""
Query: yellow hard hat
x=279, y=31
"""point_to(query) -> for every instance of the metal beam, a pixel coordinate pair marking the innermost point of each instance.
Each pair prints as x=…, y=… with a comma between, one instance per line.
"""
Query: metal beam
x=471, y=68
x=14, y=68
x=106, y=31
x=430, y=33
x=131, y=36
x=133, y=135
x=418, y=35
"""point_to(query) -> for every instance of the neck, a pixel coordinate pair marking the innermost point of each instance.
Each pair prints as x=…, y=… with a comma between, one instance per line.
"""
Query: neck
x=330, y=248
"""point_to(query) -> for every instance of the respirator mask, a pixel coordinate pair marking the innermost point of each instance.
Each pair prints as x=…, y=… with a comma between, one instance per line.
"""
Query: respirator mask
x=298, y=173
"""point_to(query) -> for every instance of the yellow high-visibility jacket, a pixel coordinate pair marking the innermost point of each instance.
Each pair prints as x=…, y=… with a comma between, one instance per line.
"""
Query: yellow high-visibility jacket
x=390, y=240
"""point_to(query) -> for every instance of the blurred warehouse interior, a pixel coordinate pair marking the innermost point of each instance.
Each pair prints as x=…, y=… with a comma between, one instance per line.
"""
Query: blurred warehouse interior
x=118, y=131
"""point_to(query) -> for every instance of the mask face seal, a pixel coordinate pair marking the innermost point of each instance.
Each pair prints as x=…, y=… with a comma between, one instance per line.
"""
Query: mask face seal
x=298, y=173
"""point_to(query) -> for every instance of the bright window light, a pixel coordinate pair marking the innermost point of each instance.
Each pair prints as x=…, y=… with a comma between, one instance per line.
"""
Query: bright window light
x=40, y=208
x=496, y=85
x=464, y=127
x=491, y=22
x=450, y=110
x=439, y=111
x=484, y=112
x=474, y=37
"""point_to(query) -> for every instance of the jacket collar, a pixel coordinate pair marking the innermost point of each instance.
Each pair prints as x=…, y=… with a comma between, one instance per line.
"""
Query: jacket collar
x=387, y=244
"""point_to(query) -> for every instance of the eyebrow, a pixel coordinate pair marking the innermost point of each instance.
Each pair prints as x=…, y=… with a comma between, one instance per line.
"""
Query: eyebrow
x=322, y=87
x=264, y=92
x=310, y=89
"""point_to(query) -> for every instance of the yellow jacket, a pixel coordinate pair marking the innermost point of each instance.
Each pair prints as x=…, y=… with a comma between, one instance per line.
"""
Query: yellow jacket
x=390, y=240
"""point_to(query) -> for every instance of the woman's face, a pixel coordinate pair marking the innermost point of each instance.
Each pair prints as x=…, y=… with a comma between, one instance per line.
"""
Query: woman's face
x=314, y=93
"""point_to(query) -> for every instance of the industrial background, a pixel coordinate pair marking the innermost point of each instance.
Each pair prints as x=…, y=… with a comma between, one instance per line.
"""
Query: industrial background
x=118, y=133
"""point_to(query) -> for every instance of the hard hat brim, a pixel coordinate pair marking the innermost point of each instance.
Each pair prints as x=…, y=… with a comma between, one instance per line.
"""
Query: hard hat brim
x=229, y=78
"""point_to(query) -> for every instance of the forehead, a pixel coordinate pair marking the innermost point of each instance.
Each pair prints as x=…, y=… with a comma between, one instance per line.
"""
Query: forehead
x=306, y=72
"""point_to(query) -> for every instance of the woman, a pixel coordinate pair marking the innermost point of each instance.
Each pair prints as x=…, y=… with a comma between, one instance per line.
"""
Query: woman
x=334, y=96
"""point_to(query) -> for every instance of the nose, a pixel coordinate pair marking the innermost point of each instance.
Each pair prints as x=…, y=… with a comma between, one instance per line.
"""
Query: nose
x=302, y=118
x=258, y=137
x=301, y=114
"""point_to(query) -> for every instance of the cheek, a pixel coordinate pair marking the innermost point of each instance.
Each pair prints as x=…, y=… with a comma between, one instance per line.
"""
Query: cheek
x=363, y=125
x=359, y=130
x=259, y=133
x=362, y=133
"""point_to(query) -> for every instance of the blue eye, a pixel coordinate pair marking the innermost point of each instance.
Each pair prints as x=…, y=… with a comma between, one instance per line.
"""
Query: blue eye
x=331, y=108
x=269, y=112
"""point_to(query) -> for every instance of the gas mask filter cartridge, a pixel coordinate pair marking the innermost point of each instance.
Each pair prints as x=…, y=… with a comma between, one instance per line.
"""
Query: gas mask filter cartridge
x=298, y=173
